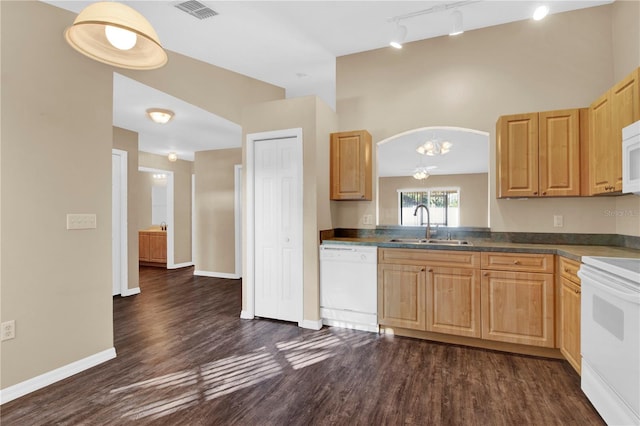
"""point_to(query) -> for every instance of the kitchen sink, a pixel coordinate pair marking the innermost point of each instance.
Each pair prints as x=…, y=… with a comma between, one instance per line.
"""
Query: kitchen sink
x=432, y=241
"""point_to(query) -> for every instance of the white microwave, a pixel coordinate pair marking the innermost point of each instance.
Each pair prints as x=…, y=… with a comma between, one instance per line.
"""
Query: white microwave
x=631, y=158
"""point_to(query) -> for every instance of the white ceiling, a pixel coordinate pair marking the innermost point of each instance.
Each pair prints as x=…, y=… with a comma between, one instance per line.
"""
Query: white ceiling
x=291, y=44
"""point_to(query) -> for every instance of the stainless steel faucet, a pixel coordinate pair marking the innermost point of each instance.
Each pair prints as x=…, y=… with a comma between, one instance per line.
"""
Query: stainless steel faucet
x=415, y=213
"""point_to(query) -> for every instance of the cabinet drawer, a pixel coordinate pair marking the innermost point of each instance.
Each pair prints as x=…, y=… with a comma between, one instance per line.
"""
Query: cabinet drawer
x=524, y=262
x=569, y=269
x=465, y=259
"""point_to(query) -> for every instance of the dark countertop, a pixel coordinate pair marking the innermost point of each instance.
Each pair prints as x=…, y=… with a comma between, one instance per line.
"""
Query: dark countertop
x=575, y=252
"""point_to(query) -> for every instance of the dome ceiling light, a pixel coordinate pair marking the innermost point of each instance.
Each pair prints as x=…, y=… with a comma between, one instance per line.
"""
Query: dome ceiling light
x=117, y=35
x=159, y=115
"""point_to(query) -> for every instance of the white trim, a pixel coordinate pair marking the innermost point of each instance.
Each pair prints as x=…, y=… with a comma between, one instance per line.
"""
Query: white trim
x=124, y=222
x=180, y=265
x=53, y=376
x=193, y=218
x=216, y=274
x=311, y=324
x=130, y=292
x=237, y=209
x=249, y=207
x=246, y=315
x=170, y=211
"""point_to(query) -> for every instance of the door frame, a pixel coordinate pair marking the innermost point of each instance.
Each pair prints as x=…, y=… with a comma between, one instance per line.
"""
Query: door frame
x=124, y=229
x=170, y=207
x=249, y=279
x=237, y=209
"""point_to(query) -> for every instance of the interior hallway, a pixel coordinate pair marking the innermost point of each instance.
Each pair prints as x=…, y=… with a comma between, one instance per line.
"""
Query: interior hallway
x=185, y=357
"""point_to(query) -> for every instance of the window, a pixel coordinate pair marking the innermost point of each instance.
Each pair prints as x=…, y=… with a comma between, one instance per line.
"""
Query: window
x=443, y=206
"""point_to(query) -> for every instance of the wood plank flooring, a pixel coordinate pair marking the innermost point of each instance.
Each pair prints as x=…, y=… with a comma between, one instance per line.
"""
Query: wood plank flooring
x=186, y=358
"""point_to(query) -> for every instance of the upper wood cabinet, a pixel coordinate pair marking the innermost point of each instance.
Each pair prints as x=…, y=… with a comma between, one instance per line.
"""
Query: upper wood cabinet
x=614, y=110
x=351, y=173
x=538, y=154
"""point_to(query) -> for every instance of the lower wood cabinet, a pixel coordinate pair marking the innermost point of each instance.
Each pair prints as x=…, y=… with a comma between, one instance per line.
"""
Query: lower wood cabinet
x=152, y=247
x=453, y=301
x=517, y=307
x=401, y=296
x=570, y=323
x=569, y=312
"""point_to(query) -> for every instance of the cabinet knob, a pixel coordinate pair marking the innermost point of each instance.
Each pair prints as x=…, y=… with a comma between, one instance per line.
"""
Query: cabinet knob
x=516, y=262
x=544, y=193
x=566, y=269
x=430, y=270
x=535, y=193
x=422, y=270
x=486, y=274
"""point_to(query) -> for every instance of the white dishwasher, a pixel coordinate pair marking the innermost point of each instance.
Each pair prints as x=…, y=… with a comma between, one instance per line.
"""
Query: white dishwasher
x=349, y=286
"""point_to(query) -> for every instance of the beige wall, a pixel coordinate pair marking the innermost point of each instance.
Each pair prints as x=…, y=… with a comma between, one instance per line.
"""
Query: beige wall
x=215, y=214
x=626, y=37
x=316, y=121
x=474, y=195
x=182, y=171
x=144, y=200
x=565, y=61
x=127, y=140
x=56, y=142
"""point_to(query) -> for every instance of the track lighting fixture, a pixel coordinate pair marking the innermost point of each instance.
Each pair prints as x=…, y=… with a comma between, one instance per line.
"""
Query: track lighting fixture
x=457, y=23
x=399, y=35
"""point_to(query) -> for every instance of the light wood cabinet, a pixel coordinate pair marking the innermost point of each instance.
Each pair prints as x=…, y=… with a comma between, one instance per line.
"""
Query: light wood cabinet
x=152, y=247
x=538, y=154
x=615, y=109
x=401, y=296
x=350, y=166
x=453, y=301
x=569, y=327
x=517, y=294
x=446, y=283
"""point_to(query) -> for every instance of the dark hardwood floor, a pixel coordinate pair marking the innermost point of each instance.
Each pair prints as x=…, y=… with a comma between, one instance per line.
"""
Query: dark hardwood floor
x=186, y=358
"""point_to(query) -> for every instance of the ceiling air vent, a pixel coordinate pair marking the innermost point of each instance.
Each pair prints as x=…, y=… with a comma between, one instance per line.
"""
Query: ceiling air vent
x=197, y=9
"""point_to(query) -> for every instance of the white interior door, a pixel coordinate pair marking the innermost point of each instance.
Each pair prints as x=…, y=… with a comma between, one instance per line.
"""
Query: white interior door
x=278, y=228
x=116, y=241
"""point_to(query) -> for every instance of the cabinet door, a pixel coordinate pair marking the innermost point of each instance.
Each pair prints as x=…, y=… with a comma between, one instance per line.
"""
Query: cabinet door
x=453, y=301
x=517, y=307
x=559, y=152
x=625, y=109
x=517, y=155
x=570, y=323
x=143, y=246
x=600, y=147
x=351, y=166
x=401, y=296
x=158, y=247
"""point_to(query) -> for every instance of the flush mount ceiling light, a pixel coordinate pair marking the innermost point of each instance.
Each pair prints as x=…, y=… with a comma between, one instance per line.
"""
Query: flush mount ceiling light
x=160, y=116
x=434, y=147
x=116, y=35
x=457, y=23
x=173, y=157
x=399, y=35
x=540, y=12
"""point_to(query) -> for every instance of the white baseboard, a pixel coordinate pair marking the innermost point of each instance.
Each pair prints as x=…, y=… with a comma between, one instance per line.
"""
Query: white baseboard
x=46, y=379
x=216, y=274
x=313, y=325
x=246, y=315
x=130, y=292
x=180, y=265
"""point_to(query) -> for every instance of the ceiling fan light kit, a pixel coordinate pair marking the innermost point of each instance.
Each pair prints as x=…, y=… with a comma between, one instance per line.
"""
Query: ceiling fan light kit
x=117, y=35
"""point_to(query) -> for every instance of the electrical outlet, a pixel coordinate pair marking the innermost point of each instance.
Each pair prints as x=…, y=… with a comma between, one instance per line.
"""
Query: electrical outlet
x=81, y=221
x=8, y=330
x=367, y=219
x=557, y=221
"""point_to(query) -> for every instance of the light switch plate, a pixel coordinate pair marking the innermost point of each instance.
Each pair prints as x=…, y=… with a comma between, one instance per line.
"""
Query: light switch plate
x=557, y=221
x=81, y=221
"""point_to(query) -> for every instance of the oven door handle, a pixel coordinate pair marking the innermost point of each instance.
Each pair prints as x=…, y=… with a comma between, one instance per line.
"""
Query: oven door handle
x=622, y=293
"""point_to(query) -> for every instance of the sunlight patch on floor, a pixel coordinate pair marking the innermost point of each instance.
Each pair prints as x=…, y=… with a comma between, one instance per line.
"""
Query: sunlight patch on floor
x=231, y=374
